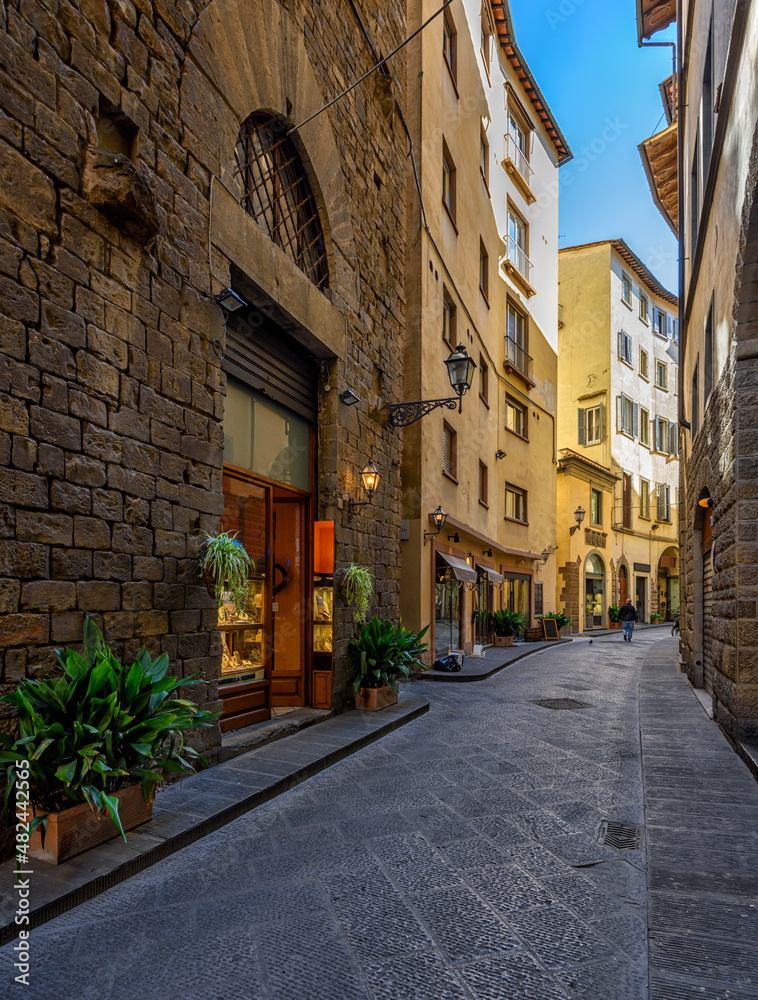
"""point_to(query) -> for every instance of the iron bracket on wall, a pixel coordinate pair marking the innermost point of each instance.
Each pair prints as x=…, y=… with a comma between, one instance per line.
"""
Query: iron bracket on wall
x=404, y=414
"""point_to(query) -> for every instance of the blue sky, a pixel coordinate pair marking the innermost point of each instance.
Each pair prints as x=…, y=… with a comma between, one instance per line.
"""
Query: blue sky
x=603, y=92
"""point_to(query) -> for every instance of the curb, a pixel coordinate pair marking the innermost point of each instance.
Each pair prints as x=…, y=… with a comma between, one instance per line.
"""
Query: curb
x=461, y=678
x=415, y=706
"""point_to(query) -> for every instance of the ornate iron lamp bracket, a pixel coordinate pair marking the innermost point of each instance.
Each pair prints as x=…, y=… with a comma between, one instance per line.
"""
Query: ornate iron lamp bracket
x=404, y=414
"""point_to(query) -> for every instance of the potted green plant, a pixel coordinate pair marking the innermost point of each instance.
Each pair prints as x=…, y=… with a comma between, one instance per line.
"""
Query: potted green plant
x=507, y=624
x=655, y=617
x=381, y=653
x=614, y=610
x=562, y=621
x=93, y=742
x=226, y=567
x=357, y=589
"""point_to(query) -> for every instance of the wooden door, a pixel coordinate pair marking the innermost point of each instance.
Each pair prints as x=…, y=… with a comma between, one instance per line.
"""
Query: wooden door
x=288, y=599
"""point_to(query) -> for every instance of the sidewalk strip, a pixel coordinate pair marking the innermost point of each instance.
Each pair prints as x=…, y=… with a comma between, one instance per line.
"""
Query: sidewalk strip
x=198, y=805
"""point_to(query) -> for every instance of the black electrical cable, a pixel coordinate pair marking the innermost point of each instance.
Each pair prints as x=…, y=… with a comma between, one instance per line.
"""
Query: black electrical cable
x=373, y=69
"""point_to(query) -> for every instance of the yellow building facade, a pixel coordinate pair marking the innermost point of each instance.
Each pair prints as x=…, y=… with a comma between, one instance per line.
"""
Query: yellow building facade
x=618, y=458
x=481, y=271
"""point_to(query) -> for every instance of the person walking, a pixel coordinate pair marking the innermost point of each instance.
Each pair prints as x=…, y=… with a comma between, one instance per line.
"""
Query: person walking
x=627, y=617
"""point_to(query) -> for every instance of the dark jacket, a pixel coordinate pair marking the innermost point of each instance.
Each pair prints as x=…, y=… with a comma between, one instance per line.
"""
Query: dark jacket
x=628, y=613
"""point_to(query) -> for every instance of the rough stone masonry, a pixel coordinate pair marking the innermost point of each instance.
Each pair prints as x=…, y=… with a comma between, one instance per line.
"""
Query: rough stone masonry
x=112, y=130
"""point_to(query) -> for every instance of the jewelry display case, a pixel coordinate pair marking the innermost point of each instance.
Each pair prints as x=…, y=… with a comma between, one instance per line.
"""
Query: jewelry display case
x=242, y=633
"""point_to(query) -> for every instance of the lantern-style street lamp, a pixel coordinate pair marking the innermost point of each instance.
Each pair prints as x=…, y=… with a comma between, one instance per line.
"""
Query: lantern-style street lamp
x=439, y=519
x=370, y=477
x=460, y=370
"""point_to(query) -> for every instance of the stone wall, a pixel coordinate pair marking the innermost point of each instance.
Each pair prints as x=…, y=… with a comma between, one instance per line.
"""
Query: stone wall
x=112, y=398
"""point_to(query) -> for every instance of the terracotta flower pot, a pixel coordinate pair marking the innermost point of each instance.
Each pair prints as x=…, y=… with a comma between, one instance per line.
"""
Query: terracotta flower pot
x=375, y=699
x=75, y=830
x=503, y=640
x=615, y=624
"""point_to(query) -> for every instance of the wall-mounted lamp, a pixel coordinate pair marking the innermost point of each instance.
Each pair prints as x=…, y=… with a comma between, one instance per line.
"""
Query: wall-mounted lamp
x=487, y=552
x=439, y=519
x=705, y=502
x=545, y=557
x=230, y=301
x=578, y=517
x=349, y=398
x=454, y=538
x=500, y=454
x=370, y=476
x=654, y=527
x=460, y=371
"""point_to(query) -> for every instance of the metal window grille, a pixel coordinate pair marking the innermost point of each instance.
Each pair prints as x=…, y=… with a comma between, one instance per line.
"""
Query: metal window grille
x=538, y=601
x=278, y=195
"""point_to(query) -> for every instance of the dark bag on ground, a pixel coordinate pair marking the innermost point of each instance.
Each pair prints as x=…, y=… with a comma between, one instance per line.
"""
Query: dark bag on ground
x=447, y=663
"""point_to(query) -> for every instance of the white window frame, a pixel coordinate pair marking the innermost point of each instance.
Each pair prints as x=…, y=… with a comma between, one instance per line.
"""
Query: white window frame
x=520, y=498
x=627, y=416
x=512, y=405
x=625, y=348
x=626, y=282
x=661, y=366
x=593, y=421
x=662, y=435
x=644, y=312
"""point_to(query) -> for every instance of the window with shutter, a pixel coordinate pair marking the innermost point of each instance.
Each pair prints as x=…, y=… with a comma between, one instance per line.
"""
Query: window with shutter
x=626, y=500
x=673, y=439
x=580, y=434
x=448, y=450
x=663, y=502
x=483, y=484
x=644, y=426
x=643, y=364
x=636, y=420
x=644, y=498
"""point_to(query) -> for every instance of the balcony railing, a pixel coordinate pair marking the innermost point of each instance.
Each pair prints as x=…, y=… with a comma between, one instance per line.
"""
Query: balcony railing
x=515, y=254
x=517, y=358
x=512, y=152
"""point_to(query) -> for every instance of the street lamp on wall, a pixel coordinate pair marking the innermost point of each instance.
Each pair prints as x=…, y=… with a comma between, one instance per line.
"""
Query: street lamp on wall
x=439, y=519
x=578, y=517
x=370, y=477
x=460, y=371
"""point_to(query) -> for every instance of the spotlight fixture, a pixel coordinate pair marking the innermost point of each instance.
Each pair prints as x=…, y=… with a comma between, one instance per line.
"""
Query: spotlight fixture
x=578, y=517
x=454, y=538
x=349, y=398
x=439, y=519
x=654, y=527
x=705, y=502
x=500, y=454
x=370, y=477
x=487, y=552
x=230, y=301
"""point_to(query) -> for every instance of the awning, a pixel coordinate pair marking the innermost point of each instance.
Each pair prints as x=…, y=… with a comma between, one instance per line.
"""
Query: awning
x=491, y=575
x=461, y=569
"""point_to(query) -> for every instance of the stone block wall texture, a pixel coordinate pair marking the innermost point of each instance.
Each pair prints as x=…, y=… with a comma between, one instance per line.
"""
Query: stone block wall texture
x=111, y=396
x=724, y=461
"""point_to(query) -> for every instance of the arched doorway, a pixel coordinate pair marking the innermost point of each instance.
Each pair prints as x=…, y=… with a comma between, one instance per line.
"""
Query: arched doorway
x=623, y=584
x=594, y=591
x=668, y=583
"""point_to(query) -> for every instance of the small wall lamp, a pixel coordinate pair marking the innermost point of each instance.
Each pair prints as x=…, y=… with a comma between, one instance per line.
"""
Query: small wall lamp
x=705, y=502
x=654, y=527
x=439, y=519
x=487, y=552
x=230, y=301
x=500, y=454
x=349, y=398
x=454, y=538
x=578, y=517
x=545, y=557
x=370, y=476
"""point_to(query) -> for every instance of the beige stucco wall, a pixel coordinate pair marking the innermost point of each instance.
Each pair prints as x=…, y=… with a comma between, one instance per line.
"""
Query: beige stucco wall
x=449, y=258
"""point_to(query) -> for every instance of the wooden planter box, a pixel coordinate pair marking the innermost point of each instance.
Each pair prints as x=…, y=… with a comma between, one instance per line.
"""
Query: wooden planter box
x=614, y=625
x=375, y=699
x=77, y=829
x=503, y=640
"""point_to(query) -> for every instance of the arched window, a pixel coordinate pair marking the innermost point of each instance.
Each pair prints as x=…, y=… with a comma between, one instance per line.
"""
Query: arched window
x=278, y=195
x=595, y=565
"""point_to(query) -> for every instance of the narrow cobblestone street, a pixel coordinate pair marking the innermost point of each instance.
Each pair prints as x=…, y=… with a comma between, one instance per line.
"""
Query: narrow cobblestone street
x=457, y=858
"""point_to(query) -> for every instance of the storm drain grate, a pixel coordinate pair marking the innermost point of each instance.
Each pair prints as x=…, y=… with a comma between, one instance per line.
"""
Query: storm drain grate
x=558, y=704
x=625, y=838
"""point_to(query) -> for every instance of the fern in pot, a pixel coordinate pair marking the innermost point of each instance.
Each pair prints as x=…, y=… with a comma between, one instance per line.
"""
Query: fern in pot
x=226, y=567
x=357, y=590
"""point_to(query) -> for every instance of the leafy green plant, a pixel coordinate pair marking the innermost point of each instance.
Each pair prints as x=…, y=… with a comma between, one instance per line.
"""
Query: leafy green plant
x=357, y=588
x=381, y=653
x=614, y=610
x=97, y=728
x=507, y=622
x=655, y=617
x=228, y=565
x=563, y=620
